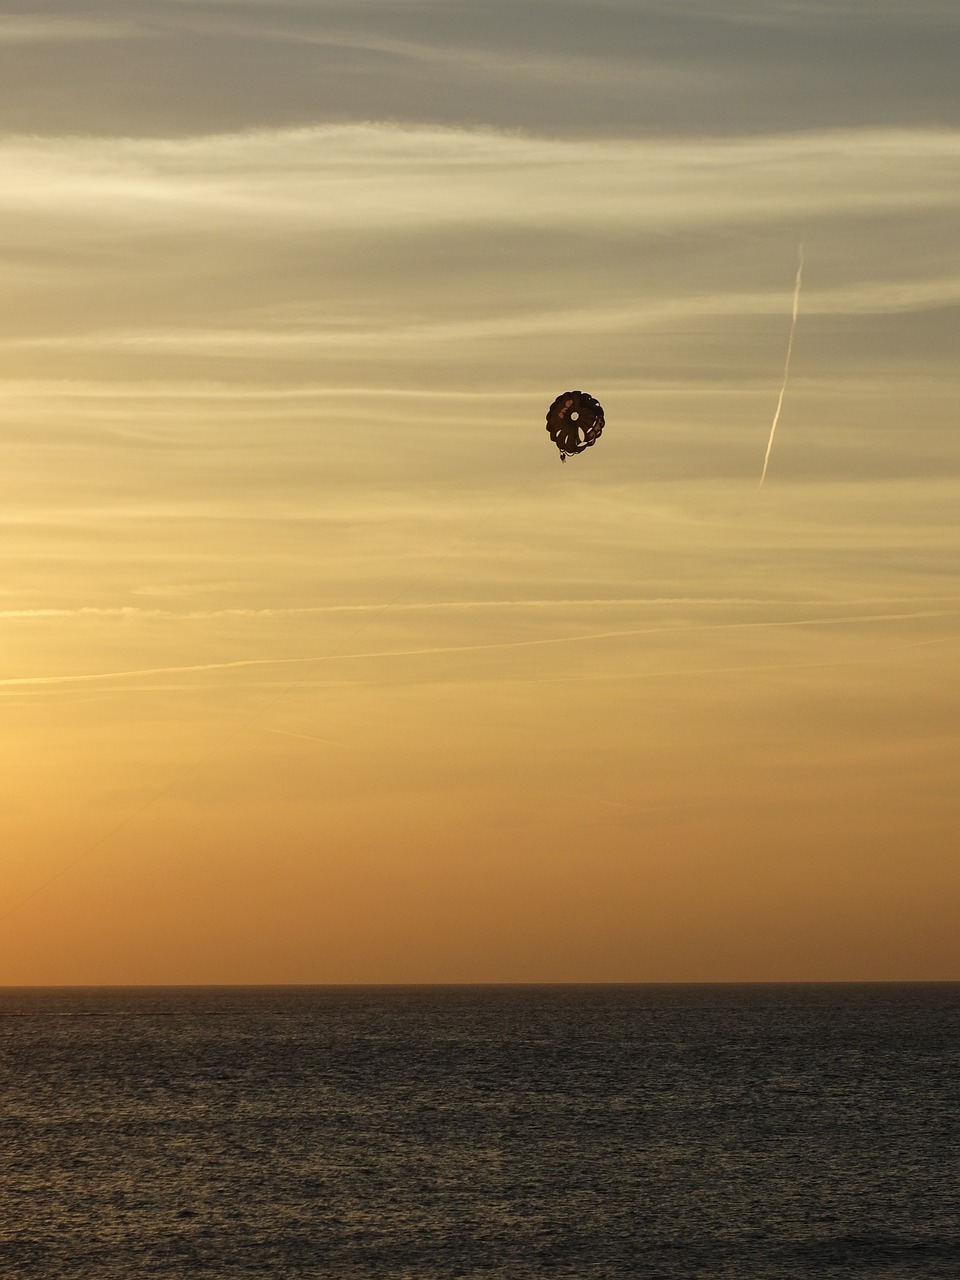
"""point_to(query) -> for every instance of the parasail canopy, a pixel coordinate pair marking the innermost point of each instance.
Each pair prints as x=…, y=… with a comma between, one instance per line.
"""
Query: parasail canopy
x=574, y=421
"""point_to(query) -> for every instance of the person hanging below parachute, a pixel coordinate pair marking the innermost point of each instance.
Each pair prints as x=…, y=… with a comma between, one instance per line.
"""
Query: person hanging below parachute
x=574, y=421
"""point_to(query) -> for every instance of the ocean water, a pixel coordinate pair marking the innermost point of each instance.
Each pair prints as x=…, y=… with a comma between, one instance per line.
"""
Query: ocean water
x=429, y=1133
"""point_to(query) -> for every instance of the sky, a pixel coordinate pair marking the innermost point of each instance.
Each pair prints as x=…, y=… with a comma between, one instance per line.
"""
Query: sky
x=317, y=666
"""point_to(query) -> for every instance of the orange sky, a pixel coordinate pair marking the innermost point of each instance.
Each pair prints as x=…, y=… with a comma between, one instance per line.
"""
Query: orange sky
x=269, y=366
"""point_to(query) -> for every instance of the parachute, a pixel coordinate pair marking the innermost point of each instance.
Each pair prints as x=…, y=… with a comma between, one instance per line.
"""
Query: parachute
x=574, y=421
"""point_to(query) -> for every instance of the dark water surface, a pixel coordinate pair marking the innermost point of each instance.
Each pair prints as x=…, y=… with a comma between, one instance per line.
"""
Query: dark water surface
x=427, y=1133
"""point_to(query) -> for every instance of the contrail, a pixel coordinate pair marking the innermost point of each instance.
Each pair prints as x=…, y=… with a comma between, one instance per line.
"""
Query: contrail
x=541, y=641
x=309, y=737
x=786, y=363
x=255, y=614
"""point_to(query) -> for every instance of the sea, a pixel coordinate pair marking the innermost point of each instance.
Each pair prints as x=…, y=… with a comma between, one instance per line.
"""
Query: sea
x=508, y=1132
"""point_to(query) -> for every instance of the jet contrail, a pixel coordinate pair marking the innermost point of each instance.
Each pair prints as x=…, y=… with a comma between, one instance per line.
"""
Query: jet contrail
x=316, y=660
x=256, y=613
x=786, y=363
x=309, y=737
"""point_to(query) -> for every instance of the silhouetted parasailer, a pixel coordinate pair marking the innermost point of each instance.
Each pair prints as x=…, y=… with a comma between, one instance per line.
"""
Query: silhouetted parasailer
x=574, y=421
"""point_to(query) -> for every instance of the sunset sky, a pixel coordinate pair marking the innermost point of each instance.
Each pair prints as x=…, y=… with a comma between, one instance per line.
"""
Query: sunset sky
x=317, y=666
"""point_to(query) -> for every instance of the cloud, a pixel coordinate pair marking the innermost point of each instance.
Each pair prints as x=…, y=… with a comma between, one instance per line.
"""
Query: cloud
x=357, y=240
x=526, y=67
x=788, y=15
x=29, y=29
x=866, y=298
x=384, y=176
x=372, y=256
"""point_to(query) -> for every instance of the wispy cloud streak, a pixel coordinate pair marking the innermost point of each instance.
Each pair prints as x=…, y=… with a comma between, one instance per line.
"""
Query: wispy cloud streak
x=864, y=298
x=26, y=29
x=386, y=176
